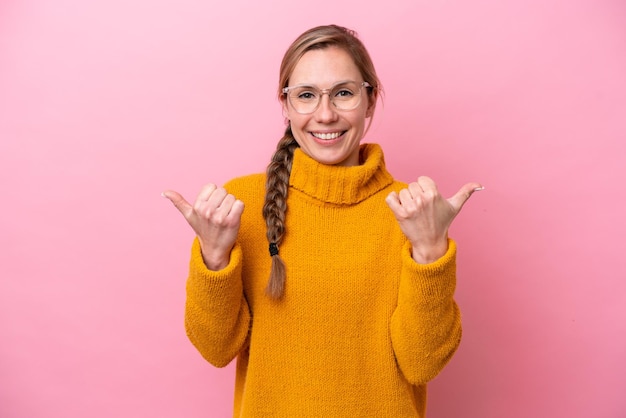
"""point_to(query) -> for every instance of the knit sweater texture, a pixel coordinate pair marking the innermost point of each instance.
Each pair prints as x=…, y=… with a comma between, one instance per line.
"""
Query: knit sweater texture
x=361, y=327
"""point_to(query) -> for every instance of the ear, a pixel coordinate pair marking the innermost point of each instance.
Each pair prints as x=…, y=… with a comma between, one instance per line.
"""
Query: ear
x=284, y=105
x=370, y=107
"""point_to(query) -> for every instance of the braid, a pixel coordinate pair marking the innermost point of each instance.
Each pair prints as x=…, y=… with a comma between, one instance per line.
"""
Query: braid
x=275, y=207
x=279, y=169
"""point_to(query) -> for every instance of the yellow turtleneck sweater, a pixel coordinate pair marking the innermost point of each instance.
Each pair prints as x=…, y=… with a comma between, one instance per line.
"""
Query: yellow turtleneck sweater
x=361, y=328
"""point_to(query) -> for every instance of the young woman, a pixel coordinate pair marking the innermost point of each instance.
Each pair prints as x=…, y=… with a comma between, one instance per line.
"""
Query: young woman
x=350, y=312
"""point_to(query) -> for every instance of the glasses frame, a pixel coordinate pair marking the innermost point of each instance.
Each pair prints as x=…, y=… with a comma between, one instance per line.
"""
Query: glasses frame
x=323, y=92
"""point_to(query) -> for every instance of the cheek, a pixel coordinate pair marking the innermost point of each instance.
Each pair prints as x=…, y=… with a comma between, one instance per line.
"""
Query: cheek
x=360, y=118
x=293, y=116
x=297, y=120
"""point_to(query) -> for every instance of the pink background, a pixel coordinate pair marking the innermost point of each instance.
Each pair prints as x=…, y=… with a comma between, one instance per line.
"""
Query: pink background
x=103, y=104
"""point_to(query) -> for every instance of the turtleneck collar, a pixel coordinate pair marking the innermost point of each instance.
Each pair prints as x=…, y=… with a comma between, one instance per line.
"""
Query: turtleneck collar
x=338, y=184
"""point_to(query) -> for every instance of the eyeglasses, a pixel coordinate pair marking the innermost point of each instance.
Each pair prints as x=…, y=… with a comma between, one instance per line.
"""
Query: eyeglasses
x=306, y=99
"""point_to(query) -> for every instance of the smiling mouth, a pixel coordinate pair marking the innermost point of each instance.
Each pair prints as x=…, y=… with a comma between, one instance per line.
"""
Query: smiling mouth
x=327, y=136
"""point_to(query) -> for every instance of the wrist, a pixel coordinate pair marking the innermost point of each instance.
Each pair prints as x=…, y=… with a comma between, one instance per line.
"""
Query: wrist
x=214, y=260
x=426, y=254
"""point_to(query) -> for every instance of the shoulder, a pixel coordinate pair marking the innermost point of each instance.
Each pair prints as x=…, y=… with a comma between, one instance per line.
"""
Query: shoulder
x=247, y=187
x=398, y=185
x=373, y=153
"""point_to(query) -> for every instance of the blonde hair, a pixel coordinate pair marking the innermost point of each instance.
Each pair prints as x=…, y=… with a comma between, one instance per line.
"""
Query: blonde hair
x=279, y=169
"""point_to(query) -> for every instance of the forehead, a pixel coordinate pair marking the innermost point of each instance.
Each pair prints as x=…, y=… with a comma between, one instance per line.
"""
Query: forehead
x=325, y=67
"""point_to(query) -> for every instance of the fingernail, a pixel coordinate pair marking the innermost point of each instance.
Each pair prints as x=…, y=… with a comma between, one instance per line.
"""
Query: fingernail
x=163, y=194
x=478, y=189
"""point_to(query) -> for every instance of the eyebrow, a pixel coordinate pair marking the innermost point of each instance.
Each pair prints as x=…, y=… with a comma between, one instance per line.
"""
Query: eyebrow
x=339, y=83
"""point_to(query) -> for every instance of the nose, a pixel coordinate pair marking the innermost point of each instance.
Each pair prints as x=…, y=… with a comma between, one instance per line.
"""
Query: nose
x=326, y=111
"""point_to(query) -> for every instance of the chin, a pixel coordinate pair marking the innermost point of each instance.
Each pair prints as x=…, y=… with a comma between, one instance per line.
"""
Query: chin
x=333, y=160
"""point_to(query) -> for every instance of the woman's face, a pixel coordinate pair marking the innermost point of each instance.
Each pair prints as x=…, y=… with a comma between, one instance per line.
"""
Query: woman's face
x=328, y=135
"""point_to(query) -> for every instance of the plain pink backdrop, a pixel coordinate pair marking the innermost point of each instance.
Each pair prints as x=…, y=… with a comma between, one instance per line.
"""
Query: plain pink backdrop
x=103, y=104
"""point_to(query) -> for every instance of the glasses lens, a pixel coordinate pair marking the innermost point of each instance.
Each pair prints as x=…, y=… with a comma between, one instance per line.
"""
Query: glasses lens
x=304, y=98
x=344, y=96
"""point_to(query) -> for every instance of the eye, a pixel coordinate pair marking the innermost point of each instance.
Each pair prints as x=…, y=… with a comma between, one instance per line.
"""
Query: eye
x=344, y=93
x=304, y=94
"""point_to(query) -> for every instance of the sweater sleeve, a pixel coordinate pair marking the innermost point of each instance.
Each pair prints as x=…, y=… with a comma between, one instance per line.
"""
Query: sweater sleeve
x=426, y=325
x=217, y=315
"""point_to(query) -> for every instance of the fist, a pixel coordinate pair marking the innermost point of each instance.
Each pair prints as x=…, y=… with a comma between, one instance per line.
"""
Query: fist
x=425, y=216
x=215, y=217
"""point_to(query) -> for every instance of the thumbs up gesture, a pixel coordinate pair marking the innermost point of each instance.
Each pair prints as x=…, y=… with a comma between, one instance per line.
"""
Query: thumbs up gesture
x=215, y=217
x=425, y=216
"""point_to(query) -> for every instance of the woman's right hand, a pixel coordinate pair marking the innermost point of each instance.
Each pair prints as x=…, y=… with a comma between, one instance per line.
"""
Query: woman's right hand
x=215, y=218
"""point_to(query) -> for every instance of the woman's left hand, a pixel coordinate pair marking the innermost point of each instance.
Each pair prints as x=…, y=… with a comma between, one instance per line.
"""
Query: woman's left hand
x=425, y=216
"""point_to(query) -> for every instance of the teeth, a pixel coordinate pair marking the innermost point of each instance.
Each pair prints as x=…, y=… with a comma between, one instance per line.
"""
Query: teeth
x=327, y=136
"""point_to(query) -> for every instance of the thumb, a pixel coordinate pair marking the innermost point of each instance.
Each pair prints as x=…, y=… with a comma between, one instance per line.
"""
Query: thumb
x=458, y=200
x=179, y=202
